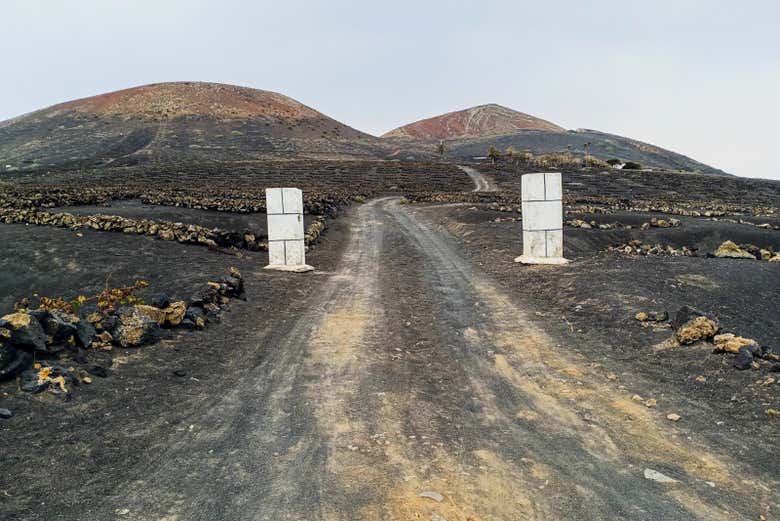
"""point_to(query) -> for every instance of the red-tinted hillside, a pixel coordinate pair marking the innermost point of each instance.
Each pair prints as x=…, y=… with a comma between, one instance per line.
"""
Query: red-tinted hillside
x=484, y=120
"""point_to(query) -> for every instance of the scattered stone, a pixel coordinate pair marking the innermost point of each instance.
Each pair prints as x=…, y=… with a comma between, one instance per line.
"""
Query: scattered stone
x=48, y=376
x=673, y=417
x=652, y=316
x=430, y=494
x=654, y=475
x=652, y=402
x=87, y=380
x=180, y=372
x=30, y=383
x=658, y=316
x=730, y=250
x=701, y=379
x=5, y=414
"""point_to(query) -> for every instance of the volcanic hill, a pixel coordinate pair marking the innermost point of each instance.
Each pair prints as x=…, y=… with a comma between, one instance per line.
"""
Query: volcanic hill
x=177, y=122
x=480, y=121
x=469, y=133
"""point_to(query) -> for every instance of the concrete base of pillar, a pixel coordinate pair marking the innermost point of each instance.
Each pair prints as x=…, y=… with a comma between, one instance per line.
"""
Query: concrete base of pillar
x=525, y=259
x=300, y=268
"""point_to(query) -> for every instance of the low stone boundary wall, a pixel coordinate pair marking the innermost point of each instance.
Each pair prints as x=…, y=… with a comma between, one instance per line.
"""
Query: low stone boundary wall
x=164, y=230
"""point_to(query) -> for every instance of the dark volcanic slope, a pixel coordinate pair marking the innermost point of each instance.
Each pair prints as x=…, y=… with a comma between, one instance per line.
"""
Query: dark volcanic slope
x=471, y=132
x=174, y=121
x=477, y=121
x=580, y=142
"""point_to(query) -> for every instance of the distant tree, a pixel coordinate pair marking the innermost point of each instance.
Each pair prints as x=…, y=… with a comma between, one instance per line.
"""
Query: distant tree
x=614, y=161
x=494, y=154
x=630, y=165
x=510, y=152
x=441, y=148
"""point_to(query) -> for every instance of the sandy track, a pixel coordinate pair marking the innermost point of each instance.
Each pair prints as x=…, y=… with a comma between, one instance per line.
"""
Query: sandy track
x=411, y=372
x=481, y=182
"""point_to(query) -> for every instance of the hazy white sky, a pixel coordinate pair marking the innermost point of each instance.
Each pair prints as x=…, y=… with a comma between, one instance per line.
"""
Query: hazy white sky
x=699, y=77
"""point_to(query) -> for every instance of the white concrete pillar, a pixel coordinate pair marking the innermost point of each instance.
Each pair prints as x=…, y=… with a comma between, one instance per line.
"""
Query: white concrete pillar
x=286, y=247
x=542, y=207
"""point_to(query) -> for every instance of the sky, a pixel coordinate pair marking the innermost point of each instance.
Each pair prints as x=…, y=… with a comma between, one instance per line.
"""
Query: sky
x=698, y=77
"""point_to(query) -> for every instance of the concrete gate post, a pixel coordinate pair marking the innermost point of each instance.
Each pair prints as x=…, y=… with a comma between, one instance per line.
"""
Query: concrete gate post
x=542, y=207
x=286, y=246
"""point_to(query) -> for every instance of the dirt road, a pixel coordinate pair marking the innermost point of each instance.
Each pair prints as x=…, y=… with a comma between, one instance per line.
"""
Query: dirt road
x=482, y=182
x=413, y=388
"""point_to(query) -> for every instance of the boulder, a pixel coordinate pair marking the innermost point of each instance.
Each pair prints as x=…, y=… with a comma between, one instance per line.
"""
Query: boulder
x=85, y=333
x=134, y=328
x=58, y=327
x=213, y=312
x=196, y=316
x=161, y=301
x=25, y=330
x=686, y=314
x=13, y=361
x=730, y=343
x=230, y=286
x=156, y=314
x=699, y=328
x=174, y=313
x=730, y=250
x=744, y=359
